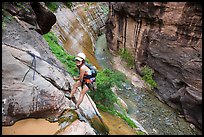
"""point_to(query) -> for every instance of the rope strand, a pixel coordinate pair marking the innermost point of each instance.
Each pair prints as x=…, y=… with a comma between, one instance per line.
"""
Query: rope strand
x=33, y=55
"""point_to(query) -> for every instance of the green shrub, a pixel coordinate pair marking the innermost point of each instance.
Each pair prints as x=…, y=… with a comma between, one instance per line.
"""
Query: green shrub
x=126, y=55
x=104, y=97
x=68, y=4
x=140, y=133
x=89, y=3
x=147, y=76
x=53, y=6
x=6, y=18
x=58, y=51
x=106, y=79
x=105, y=9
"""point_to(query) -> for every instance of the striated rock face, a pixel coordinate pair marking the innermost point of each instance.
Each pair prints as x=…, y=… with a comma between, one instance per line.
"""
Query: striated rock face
x=34, y=81
x=79, y=29
x=31, y=86
x=167, y=36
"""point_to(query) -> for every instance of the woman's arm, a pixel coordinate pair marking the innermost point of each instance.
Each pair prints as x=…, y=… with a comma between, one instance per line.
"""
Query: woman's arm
x=81, y=75
x=76, y=78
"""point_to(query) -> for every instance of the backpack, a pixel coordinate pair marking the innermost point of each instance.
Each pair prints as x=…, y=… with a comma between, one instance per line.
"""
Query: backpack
x=92, y=68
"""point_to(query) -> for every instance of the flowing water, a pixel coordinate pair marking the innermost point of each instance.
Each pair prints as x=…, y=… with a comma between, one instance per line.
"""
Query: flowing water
x=154, y=116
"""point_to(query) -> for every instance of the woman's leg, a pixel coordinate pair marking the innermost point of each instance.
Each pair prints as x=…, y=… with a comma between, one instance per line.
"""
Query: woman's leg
x=74, y=89
x=81, y=96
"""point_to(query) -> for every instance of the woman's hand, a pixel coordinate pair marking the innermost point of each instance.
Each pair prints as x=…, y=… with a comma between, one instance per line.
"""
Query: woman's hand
x=75, y=78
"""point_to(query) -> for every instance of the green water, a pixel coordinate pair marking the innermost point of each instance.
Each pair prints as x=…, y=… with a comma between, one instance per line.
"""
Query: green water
x=102, y=54
x=155, y=117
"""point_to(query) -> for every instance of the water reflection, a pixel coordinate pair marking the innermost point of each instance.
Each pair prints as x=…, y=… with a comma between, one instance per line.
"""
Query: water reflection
x=31, y=126
x=117, y=126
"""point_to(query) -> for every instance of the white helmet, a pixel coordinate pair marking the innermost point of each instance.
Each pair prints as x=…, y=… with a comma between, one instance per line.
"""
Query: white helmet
x=80, y=56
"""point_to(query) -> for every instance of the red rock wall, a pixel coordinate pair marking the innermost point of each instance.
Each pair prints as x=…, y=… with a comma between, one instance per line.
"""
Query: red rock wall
x=167, y=36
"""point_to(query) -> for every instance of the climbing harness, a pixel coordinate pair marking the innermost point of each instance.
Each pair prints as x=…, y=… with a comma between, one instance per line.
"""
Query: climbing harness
x=96, y=112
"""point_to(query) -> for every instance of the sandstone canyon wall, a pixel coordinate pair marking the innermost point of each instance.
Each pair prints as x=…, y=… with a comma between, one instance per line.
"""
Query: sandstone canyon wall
x=167, y=36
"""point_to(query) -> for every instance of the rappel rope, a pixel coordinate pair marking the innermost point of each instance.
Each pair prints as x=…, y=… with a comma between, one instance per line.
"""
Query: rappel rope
x=34, y=59
x=33, y=63
x=95, y=110
x=94, y=107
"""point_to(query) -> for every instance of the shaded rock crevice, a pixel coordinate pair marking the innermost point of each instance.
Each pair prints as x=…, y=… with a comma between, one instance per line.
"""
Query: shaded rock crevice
x=33, y=13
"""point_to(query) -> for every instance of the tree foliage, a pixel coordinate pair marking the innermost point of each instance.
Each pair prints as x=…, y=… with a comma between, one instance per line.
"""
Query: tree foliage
x=148, y=76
